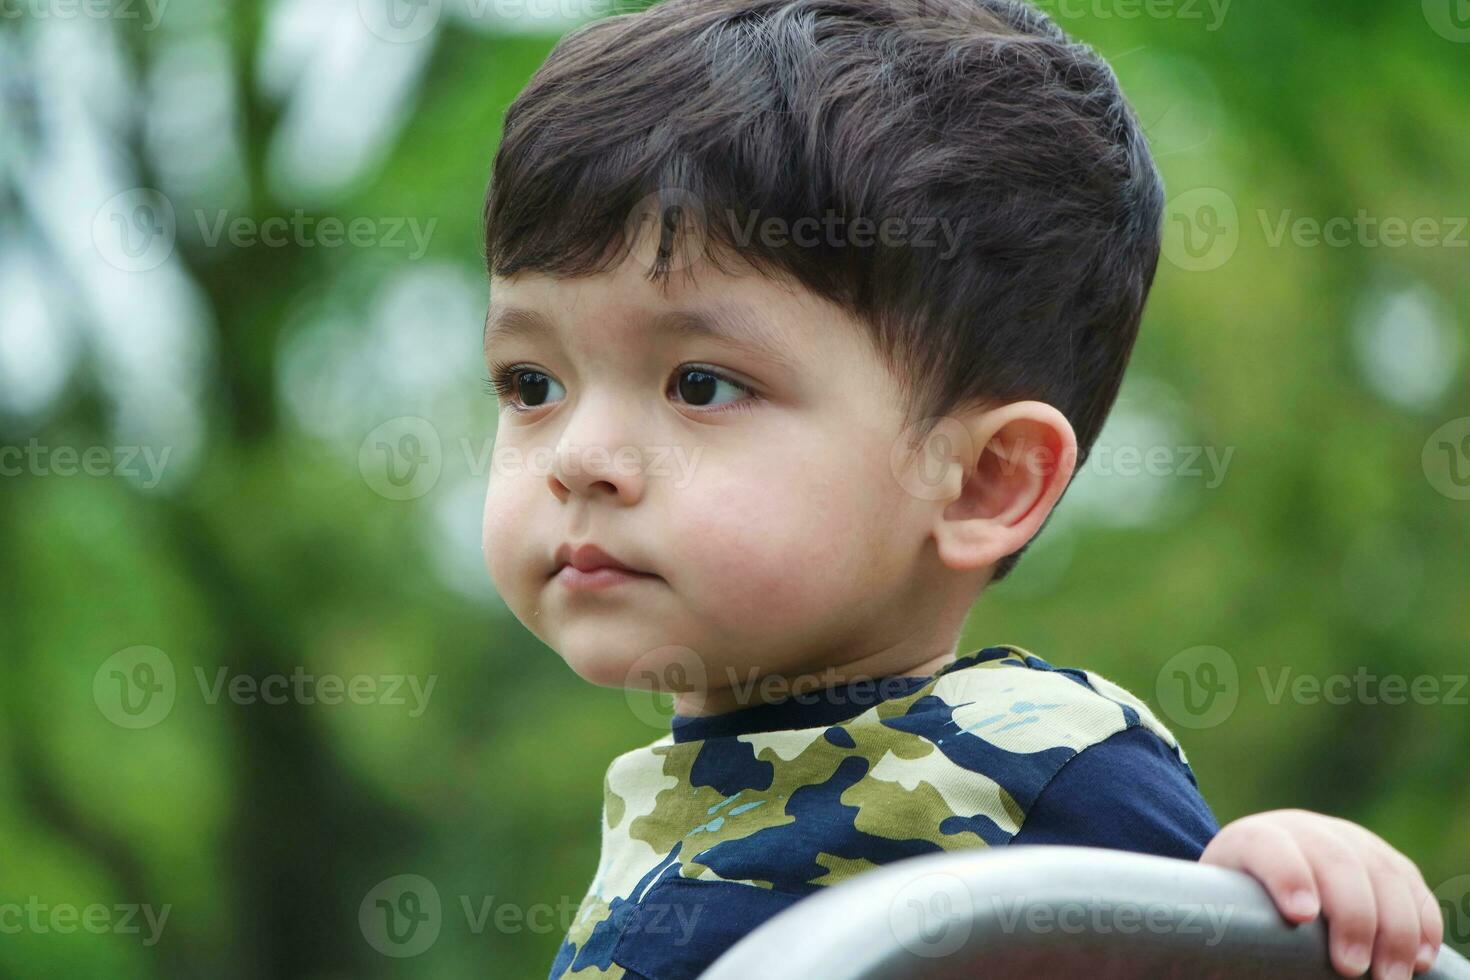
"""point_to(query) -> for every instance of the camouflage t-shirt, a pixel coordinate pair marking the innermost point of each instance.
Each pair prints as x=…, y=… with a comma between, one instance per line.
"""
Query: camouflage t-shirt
x=729, y=819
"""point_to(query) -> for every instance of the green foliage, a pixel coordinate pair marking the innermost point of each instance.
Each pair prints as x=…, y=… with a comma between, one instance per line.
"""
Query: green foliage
x=1324, y=548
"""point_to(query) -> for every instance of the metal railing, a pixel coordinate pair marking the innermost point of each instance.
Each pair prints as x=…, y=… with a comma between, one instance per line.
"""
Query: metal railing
x=1037, y=913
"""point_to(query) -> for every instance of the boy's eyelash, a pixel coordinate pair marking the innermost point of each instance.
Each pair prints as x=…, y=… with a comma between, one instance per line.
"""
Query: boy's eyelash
x=501, y=384
x=501, y=378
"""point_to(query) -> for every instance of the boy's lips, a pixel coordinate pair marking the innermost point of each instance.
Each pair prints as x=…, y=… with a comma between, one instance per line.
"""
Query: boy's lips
x=587, y=568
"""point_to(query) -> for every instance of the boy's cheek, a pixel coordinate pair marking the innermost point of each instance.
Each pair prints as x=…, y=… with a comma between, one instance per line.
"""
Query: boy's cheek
x=498, y=537
x=759, y=555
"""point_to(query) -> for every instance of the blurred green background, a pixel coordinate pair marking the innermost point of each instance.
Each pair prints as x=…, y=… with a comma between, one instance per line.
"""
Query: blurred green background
x=243, y=462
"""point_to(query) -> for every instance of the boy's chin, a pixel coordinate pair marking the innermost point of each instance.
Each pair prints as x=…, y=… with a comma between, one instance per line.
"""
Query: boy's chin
x=608, y=659
x=598, y=667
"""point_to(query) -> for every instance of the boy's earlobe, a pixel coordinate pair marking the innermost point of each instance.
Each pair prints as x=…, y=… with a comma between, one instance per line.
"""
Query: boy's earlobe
x=1017, y=462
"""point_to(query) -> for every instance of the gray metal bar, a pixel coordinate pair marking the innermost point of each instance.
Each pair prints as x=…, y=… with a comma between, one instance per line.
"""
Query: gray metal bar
x=1038, y=912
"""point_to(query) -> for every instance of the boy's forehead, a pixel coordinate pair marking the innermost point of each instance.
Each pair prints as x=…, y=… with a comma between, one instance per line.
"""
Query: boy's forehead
x=751, y=313
x=731, y=325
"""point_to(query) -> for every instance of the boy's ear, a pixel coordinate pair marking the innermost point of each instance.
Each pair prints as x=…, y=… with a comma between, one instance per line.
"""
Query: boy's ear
x=1015, y=461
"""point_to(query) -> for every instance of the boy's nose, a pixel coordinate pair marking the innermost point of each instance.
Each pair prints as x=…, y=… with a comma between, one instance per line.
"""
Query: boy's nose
x=597, y=469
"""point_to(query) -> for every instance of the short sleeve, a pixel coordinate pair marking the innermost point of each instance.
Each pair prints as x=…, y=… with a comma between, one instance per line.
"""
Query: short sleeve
x=1129, y=792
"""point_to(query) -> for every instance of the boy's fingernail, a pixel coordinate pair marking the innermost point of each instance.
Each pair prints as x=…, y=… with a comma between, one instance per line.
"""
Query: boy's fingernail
x=1397, y=972
x=1426, y=954
x=1301, y=903
x=1357, y=959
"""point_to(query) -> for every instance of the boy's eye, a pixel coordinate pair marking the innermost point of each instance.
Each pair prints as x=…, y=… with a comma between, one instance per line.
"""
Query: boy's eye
x=524, y=388
x=703, y=389
x=534, y=388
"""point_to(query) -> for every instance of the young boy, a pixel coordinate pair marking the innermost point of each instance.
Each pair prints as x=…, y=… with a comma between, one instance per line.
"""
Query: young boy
x=792, y=426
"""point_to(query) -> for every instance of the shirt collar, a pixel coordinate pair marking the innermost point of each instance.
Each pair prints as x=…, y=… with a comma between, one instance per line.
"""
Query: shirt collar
x=810, y=709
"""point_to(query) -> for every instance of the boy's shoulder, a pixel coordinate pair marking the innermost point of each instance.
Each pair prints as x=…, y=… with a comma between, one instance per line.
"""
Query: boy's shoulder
x=1012, y=697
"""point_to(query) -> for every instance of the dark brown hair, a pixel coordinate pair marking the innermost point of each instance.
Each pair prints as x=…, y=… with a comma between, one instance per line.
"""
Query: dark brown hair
x=979, y=113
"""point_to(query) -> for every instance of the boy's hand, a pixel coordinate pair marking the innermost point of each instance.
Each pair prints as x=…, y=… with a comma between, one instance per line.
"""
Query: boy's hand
x=1374, y=900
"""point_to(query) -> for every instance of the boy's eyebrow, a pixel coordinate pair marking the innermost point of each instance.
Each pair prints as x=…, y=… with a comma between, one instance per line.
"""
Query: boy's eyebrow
x=732, y=325
x=506, y=323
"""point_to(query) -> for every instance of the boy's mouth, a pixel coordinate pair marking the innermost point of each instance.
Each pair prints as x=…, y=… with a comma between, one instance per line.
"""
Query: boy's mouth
x=587, y=567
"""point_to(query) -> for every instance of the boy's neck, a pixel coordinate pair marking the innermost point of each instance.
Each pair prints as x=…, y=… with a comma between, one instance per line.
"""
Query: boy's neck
x=761, y=690
x=915, y=636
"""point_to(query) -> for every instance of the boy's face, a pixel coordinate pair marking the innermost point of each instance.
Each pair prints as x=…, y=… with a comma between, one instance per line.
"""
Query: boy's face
x=773, y=531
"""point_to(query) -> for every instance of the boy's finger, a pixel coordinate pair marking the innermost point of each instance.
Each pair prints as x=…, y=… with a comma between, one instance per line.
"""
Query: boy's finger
x=1287, y=875
x=1348, y=903
x=1397, y=943
x=1271, y=856
x=1431, y=923
x=1431, y=920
